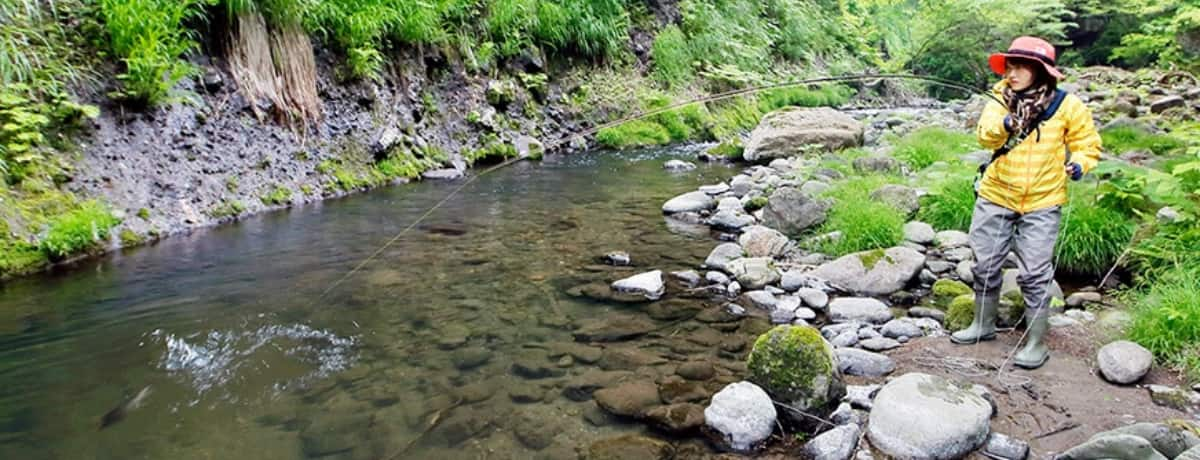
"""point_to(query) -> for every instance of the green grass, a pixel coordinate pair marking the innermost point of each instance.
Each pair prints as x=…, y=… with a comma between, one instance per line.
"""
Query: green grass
x=78, y=231
x=927, y=146
x=1091, y=237
x=277, y=196
x=822, y=96
x=672, y=58
x=949, y=204
x=227, y=209
x=149, y=36
x=1123, y=139
x=1166, y=319
x=19, y=258
x=865, y=223
x=636, y=133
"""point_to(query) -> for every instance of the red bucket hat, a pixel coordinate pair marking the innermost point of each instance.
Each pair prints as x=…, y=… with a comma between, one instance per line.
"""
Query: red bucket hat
x=1030, y=48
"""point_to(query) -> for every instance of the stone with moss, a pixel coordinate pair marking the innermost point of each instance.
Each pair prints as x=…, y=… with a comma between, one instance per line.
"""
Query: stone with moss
x=961, y=312
x=755, y=203
x=130, y=238
x=798, y=368
x=945, y=290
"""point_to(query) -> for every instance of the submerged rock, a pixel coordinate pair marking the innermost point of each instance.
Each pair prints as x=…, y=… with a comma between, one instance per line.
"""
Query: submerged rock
x=689, y=202
x=629, y=447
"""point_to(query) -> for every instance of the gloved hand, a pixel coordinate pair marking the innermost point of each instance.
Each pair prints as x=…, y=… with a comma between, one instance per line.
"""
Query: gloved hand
x=1075, y=171
x=1008, y=126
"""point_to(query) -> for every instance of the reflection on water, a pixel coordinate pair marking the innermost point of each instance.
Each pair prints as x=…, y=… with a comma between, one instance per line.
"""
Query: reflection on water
x=456, y=342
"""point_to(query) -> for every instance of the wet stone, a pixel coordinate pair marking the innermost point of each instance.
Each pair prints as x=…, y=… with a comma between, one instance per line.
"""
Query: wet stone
x=535, y=366
x=534, y=432
x=470, y=358
x=614, y=328
x=475, y=392
x=629, y=447
x=596, y=416
x=629, y=399
x=673, y=309
x=628, y=359
x=677, y=418
x=581, y=387
x=578, y=352
x=524, y=394
x=716, y=315
x=674, y=389
x=697, y=370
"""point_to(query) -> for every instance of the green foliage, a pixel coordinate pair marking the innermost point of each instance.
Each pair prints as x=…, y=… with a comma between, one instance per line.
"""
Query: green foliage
x=945, y=290
x=755, y=203
x=1091, y=237
x=796, y=96
x=672, y=57
x=596, y=28
x=949, y=204
x=1166, y=318
x=227, y=209
x=78, y=231
x=143, y=214
x=149, y=36
x=277, y=196
x=1121, y=139
x=29, y=126
x=730, y=148
x=864, y=223
x=1156, y=41
x=401, y=163
x=636, y=133
x=20, y=258
x=926, y=146
x=129, y=238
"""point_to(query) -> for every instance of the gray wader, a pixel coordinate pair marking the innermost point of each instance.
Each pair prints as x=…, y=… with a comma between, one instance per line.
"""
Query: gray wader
x=995, y=231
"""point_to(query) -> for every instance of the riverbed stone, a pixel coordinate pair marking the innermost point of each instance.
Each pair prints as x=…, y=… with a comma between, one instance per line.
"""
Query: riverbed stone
x=785, y=132
x=794, y=280
x=901, y=327
x=1169, y=440
x=625, y=358
x=878, y=343
x=948, y=239
x=677, y=419
x=696, y=370
x=845, y=339
x=798, y=367
x=862, y=396
x=614, y=328
x=470, y=357
x=903, y=198
x=689, y=202
x=629, y=399
x=760, y=241
x=931, y=313
x=731, y=220
x=1002, y=447
x=754, y=272
x=1124, y=362
x=678, y=165
x=722, y=255
x=919, y=232
x=852, y=361
x=715, y=189
x=838, y=443
x=741, y=416
x=1115, y=446
x=859, y=309
x=925, y=417
x=792, y=212
x=873, y=273
x=629, y=447
x=649, y=284
x=581, y=387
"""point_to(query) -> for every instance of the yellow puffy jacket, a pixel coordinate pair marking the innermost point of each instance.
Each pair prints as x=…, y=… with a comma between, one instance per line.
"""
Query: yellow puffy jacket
x=1032, y=175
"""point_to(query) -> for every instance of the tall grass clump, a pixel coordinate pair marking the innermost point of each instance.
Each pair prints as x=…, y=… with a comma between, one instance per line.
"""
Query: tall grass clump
x=149, y=37
x=1166, y=319
x=823, y=96
x=672, y=57
x=589, y=28
x=636, y=133
x=927, y=146
x=732, y=32
x=949, y=204
x=1091, y=237
x=864, y=223
x=1121, y=139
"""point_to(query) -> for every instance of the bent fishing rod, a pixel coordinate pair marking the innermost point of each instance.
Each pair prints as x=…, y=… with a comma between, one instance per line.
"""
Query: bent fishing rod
x=650, y=113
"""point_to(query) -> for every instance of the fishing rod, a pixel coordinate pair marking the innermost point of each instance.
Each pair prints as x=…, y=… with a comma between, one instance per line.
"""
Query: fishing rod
x=650, y=113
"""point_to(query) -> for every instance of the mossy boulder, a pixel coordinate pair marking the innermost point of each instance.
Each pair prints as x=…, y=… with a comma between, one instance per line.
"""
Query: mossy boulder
x=961, y=312
x=797, y=367
x=946, y=290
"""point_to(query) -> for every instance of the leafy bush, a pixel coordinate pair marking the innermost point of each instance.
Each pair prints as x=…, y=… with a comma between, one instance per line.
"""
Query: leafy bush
x=78, y=231
x=1121, y=139
x=927, y=146
x=950, y=204
x=149, y=36
x=1157, y=39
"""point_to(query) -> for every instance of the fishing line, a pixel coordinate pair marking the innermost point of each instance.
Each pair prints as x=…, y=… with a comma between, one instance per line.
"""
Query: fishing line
x=640, y=115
